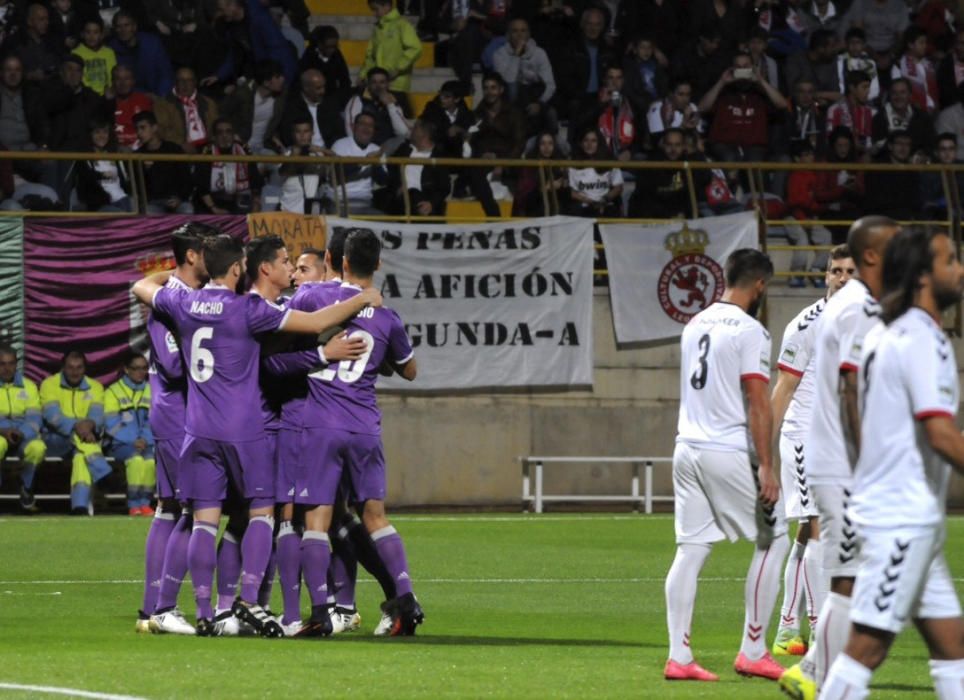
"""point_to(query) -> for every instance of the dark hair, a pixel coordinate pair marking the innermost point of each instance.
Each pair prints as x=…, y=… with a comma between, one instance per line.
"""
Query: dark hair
x=903, y=80
x=336, y=246
x=363, y=251
x=676, y=82
x=301, y=120
x=220, y=253
x=800, y=146
x=494, y=76
x=710, y=30
x=855, y=33
x=261, y=250
x=377, y=70
x=428, y=127
x=218, y=122
x=672, y=130
x=855, y=78
x=839, y=132
x=308, y=250
x=908, y=256
x=124, y=13
x=73, y=353
x=912, y=34
x=821, y=38
x=92, y=18
x=323, y=33
x=946, y=136
x=580, y=154
x=7, y=349
x=132, y=355
x=747, y=265
x=73, y=58
x=839, y=252
x=533, y=153
x=898, y=134
x=452, y=87
x=190, y=237
x=145, y=116
x=364, y=113
x=266, y=70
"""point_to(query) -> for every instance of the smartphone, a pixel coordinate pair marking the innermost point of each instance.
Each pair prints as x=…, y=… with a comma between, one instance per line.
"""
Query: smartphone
x=742, y=73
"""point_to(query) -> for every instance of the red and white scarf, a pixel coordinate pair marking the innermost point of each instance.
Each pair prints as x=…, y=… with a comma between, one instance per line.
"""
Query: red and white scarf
x=618, y=129
x=197, y=132
x=230, y=178
x=923, y=81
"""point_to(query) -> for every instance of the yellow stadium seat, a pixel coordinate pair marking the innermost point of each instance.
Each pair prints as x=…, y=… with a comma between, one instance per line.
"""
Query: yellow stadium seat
x=456, y=209
x=354, y=52
x=339, y=7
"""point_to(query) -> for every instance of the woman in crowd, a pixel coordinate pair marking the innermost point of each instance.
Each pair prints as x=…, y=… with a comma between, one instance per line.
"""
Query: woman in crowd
x=596, y=191
x=531, y=196
x=103, y=185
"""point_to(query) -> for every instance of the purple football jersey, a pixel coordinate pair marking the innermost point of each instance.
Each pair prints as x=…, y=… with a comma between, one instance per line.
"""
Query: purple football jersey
x=168, y=385
x=218, y=331
x=270, y=401
x=342, y=395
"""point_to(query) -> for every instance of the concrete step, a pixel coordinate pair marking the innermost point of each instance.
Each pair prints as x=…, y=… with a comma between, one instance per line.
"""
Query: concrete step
x=354, y=53
x=339, y=7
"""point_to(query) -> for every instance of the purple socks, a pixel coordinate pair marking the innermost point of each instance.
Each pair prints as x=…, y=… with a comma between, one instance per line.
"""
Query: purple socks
x=201, y=559
x=255, y=553
x=315, y=558
x=157, y=537
x=392, y=553
x=289, y=571
x=175, y=562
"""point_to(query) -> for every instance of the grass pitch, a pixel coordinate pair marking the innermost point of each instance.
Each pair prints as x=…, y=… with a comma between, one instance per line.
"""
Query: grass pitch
x=516, y=606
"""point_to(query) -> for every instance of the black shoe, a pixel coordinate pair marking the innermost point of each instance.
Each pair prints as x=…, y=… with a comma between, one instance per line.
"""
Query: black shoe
x=319, y=625
x=205, y=628
x=80, y=511
x=406, y=615
x=257, y=618
x=28, y=502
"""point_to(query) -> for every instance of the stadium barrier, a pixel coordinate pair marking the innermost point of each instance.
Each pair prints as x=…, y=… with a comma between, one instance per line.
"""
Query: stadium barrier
x=60, y=496
x=533, y=491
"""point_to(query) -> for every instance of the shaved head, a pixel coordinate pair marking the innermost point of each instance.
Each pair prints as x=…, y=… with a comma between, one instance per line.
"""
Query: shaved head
x=870, y=234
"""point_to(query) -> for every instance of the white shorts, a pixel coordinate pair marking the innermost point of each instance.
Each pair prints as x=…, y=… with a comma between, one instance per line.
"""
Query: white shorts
x=903, y=576
x=717, y=498
x=793, y=480
x=837, y=532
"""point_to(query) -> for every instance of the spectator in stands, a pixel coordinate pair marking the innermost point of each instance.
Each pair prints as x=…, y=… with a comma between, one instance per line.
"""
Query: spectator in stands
x=950, y=120
x=227, y=188
x=805, y=121
x=883, y=22
x=661, y=193
x=804, y=203
x=126, y=104
x=73, y=420
x=465, y=46
x=255, y=112
x=428, y=185
x=324, y=55
x=529, y=78
x=729, y=15
x=645, y=79
x=168, y=183
x=387, y=107
x=950, y=72
x=580, y=74
x=594, y=191
x=304, y=189
x=675, y=110
x=917, y=69
x=818, y=65
x=290, y=33
x=616, y=121
x=898, y=114
x=394, y=46
x=144, y=53
x=933, y=194
x=843, y=189
x=853, y=111
x=663, y=20
x=39, y=51
x=740, y=104
x=895, y=194
x=103, y=185
x=20, y=424
x=452, y=119
x=72, y=106
x=501, y=132
x=253, y=36
x=99, y=60
x=128, y=436
x=821, y=15
x=23, y=119
x=702, y=61
x=186, y=116
x=856, y=59
x=356, y=194
x=764, y=65
x=532, y=194
x=312, y=102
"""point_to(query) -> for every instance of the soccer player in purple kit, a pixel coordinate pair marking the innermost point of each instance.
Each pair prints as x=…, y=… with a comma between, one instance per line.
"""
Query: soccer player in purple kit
x=167, y=539
x=343, y=434
x=224, y=442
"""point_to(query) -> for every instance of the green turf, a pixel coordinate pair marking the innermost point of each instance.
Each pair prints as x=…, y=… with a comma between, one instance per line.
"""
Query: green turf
x=521, y=606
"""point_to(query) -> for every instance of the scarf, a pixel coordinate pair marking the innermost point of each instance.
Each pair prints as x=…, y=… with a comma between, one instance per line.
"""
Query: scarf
x=230, y=178
x=197, y=133
x=618, y=129
x=923, y=81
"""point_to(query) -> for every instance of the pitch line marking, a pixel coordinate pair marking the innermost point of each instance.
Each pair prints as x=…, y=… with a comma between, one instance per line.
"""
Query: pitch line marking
x=72, y=692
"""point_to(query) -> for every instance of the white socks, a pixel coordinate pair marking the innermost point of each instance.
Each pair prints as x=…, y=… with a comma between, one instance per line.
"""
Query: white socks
x=681, y=598
x=834, y=630
x=793, y=588
x=815, y=581
x=948, y=677
x=848, y=679
x=760, y=595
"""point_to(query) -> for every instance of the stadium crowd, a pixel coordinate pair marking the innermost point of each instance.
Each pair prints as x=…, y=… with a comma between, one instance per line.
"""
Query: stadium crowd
x=608, y=80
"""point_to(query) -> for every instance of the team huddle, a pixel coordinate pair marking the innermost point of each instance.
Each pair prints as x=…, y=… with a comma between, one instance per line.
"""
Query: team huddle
x=263, y=409
x=864, y=411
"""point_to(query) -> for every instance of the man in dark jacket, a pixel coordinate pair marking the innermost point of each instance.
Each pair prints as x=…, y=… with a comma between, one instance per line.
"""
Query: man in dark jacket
x=451, y=118
x=580, y=74
x=323, y=54
x=39, y=50
x=23, y=123
x=255, y=112
x=895, y=194
x=664, y=194
x=72, y=107
x=312, y=101
x=144, y=53
x=428, y=185
x=168, y=183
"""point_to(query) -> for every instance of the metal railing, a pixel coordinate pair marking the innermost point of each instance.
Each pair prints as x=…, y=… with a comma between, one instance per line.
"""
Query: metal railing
x=533, y=490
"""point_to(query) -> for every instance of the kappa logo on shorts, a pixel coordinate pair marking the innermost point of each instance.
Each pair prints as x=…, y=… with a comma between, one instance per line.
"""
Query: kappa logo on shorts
x=892, y=572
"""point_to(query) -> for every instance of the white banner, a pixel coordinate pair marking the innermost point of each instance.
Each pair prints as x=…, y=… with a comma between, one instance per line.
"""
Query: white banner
x=503, y=304
x=662, y=276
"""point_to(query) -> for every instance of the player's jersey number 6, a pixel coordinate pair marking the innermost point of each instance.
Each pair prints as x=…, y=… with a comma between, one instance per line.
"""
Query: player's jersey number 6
x=202, y=359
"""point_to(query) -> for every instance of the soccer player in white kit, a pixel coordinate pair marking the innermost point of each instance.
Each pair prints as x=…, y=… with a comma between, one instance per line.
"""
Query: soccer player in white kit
x=910, y=394
x=833, y=438
x=792, y=400
x=723, y=477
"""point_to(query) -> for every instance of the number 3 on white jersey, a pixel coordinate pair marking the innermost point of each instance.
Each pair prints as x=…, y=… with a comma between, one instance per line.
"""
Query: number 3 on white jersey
x=202, y=360
x=347, y=371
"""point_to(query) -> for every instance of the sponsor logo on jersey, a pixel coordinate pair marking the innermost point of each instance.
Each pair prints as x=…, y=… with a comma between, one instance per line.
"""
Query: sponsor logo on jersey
x=691, y=281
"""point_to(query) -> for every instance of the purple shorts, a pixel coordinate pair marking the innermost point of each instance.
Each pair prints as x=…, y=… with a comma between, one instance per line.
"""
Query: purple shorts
x=289, y=454
x=167, y=455
x=329, y=453
x=209, y=467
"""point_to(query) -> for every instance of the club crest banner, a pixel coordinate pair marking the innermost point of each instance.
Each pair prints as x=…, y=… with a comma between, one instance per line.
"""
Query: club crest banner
x=505, y=304
x=662, y=276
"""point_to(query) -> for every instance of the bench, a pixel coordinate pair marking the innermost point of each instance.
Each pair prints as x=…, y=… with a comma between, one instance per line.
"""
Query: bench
x=58, y=496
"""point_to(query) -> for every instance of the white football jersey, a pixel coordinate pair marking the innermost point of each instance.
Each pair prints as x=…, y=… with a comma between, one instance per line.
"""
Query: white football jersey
x=841, y=328
x=721, y=346
x=910, y=375
x=796, y=357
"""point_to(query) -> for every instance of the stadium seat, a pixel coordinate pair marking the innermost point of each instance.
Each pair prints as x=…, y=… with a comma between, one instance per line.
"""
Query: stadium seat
x=456, y=209
x=339, y=7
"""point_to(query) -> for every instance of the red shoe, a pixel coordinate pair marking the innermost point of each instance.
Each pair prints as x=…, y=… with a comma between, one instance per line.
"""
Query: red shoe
x=134, y=512
x=147, y=510
x=690, y=672
x=764, y=667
